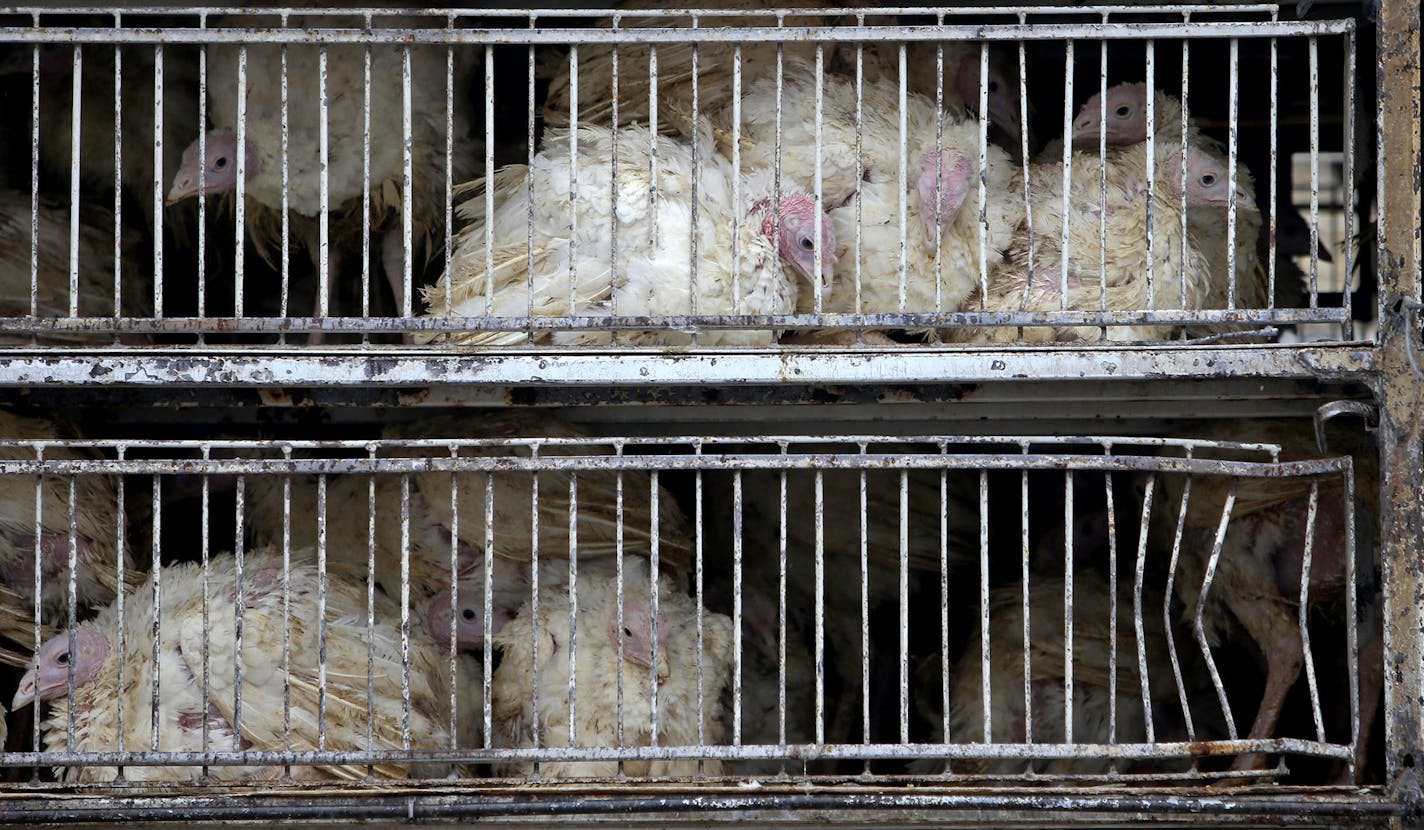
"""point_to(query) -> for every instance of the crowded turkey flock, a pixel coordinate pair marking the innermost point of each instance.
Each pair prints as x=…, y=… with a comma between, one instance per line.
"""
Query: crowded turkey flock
x=610, y=635
x=568, y=610
x=789, y=188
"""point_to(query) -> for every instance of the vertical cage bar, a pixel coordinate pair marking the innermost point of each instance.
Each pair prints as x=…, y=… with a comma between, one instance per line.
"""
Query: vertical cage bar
x=1067, y=607
x=1232, y=153
x=820, y=566
x=1314, y=172
x=75, y=147
x=904, y=594
x=1025, y=606
x=1272, y=228
x=984, y=686
x=284, y=303
x=323, y=293
x=240, y=186
x=1350, y=190
x=1065, y=256
x=157, y=181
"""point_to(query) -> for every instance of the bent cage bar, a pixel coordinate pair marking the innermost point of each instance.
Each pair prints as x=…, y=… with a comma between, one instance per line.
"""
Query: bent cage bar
x=442, y=289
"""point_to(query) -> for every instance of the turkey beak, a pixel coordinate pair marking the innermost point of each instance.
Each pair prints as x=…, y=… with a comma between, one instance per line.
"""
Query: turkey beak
x=26, y=693
x=185, y=186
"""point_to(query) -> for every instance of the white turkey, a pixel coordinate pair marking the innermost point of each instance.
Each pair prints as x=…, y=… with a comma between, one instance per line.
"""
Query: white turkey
x=862, y=155
x=570, y=266
x=96, y=542
x=102, y=699
x=425, y=551
x=1119, y=258
x=768, y=699
x=1012, y=709
x=95, y=294
x=659, y=645
x=716, y=63
x=262, y=137
x=1256, y=585
x=1124, y=111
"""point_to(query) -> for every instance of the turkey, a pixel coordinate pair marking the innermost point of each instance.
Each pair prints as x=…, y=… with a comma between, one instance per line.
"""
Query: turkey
x=96, y=544
x=1093, y=677
x=1125, y=112
x=940, y=191
x=96, y=119
x=1126, y=117
x=511, y=433
x=102, y=700
x=1172, y=283
x=840, y=546
x=569, y=265
x=95, y=295
x=262, y=156
x=763, y=712
x=534, y=681
x=716, y=67
x=1256, y=586
x=17, y=625
x=959, y=86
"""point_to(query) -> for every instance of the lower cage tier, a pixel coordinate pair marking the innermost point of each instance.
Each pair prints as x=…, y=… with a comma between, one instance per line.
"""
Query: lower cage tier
x=498, y=598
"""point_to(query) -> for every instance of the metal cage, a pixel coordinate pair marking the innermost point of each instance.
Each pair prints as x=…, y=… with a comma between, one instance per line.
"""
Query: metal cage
x=923, y=520
x=905, y=468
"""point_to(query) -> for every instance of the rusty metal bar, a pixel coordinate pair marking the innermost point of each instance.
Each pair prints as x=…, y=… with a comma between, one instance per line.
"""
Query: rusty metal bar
x=789, y=34
x=1401, y=395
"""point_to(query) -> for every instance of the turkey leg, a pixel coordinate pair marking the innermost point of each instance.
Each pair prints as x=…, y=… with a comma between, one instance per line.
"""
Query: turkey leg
x=1284, y=660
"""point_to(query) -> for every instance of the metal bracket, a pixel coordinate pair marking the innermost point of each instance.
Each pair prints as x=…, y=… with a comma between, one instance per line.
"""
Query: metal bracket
x=1369, y=412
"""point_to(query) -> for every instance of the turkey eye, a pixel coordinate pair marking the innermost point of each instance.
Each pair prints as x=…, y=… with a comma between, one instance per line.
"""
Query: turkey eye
x=1208, y=180
x=468, y=615
x=63, y=658
x=627, y=632
x=1122, y=111
x=220, y=162
x=807, y=244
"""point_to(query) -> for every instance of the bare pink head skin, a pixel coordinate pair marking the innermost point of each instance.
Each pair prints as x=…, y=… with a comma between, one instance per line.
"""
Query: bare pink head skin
x=48, y=677
x=1002, y=109
x=797, y=245
x=469, y=620
x=221, y=162
x=1208, y=181
x=942, y=189
x=638, y=635
x=1124, y=112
